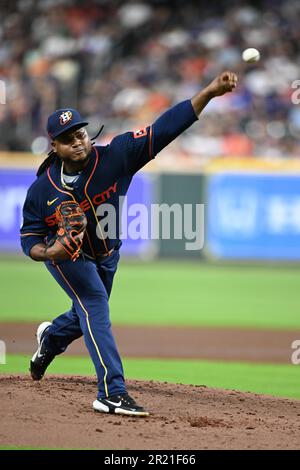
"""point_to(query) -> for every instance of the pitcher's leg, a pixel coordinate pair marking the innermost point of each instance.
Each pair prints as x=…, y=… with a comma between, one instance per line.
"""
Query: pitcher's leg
x=99, y=340
x=107, y=270
x=84, y=286
x=64, y=330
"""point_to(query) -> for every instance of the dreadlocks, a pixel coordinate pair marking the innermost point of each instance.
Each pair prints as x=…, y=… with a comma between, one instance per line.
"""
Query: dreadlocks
x=47, y=162
x=52, y=156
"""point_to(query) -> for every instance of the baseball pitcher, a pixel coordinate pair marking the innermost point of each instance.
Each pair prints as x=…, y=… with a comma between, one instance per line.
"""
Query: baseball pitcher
x=62, y=230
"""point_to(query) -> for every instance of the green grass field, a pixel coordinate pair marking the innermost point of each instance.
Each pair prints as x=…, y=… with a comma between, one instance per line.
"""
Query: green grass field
x=277, y=380
x=164, y=293
x=171, y=293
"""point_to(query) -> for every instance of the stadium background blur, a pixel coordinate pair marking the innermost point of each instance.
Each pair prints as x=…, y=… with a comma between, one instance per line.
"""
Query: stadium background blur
x=122, y=64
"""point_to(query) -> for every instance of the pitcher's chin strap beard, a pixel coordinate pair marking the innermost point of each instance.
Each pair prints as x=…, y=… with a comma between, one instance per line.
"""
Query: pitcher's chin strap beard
x=52, y=155
x=63, y=183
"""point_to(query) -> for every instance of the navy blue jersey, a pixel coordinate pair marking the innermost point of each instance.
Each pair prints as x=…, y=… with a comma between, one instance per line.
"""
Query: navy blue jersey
x=106, y=177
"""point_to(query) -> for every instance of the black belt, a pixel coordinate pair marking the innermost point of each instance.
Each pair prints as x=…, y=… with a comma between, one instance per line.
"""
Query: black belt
x=107, y=254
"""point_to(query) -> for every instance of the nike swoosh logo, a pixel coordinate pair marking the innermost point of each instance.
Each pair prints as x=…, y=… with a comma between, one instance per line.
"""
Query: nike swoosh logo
x=49, y=203
x=39, y=354
x=114, y=404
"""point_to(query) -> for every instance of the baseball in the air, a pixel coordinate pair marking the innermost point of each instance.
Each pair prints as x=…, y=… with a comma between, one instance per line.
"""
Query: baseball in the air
x=251, y=55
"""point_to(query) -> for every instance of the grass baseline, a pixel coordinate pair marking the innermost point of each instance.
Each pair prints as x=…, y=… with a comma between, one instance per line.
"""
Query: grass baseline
x=187, y=294
x=271, y=379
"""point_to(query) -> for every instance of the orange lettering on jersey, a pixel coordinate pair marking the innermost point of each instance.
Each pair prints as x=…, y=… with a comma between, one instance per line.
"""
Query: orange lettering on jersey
x=85, y=205
x=100, y=198
x=51, y=220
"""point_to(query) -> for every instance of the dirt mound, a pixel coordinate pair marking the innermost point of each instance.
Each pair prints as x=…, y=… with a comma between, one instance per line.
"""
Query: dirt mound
x=57, y=413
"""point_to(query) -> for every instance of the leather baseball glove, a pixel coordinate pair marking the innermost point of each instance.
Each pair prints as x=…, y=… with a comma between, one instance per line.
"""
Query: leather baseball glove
x=67, y=242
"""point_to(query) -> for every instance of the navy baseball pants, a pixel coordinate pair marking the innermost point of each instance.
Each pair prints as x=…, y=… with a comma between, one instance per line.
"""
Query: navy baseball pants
x=88, y=283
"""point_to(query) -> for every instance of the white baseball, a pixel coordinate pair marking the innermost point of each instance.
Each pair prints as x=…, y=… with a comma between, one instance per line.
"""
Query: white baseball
x=251, y=55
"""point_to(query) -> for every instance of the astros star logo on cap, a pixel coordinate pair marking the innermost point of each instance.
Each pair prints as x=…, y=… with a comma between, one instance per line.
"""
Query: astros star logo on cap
x=65, y=117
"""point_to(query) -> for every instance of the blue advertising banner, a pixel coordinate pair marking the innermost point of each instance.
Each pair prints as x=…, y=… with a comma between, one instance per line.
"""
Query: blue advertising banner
x=13, y=188
x=253, y=216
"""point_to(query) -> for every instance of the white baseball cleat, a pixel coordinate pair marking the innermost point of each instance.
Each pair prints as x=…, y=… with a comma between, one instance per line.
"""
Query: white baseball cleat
x=119, y=404
x=41, y=358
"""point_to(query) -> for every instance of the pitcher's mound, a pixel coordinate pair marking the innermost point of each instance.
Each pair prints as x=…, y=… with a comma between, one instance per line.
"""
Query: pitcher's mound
x=57, y=413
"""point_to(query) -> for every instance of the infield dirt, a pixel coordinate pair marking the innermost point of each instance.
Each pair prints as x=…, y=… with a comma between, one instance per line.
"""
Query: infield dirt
x=57, y=413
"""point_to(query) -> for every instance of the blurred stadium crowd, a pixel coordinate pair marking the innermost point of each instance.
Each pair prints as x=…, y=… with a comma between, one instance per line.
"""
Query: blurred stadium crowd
x=123, y=62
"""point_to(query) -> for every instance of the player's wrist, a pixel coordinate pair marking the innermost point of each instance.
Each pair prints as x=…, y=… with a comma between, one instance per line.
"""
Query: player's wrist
x=208, y=93
x=39, y=252
x=49, y=255
x=53, y=253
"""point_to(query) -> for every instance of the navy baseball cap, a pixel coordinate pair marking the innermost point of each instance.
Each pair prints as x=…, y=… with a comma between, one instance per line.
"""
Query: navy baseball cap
x=63, y=120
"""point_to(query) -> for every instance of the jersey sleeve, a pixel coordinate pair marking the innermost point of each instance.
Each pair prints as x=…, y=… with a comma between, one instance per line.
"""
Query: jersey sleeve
x=135, y=149
x=139, y=147
x=171, y=124
x=34, y=229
